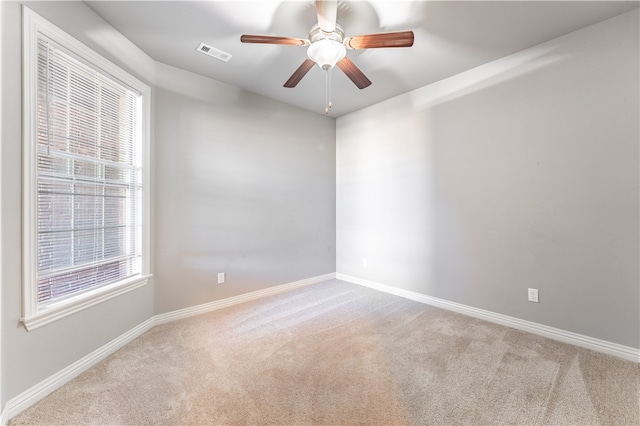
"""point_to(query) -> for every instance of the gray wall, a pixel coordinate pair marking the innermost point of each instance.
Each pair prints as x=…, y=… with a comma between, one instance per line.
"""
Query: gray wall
x=245, y=186
x=520, y=173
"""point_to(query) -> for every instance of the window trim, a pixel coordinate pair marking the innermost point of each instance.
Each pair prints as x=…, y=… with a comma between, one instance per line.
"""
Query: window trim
x=32, y=316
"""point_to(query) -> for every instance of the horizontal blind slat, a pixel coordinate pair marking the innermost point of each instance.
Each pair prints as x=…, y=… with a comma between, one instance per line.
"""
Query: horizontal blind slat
x=85, y=266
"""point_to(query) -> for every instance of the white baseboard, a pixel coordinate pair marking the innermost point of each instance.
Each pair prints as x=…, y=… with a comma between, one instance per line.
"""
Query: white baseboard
x=32, y=395
x=620, y=351
x=29, y=397
x=231, y=301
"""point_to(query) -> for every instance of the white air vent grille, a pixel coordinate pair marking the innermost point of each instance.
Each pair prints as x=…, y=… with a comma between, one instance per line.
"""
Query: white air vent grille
x=213, y=52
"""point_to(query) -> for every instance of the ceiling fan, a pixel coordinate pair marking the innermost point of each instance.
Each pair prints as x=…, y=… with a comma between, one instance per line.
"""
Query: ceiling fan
x=327, y=47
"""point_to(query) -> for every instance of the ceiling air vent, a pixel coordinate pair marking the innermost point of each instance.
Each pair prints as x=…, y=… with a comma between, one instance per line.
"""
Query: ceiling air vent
x=212, y=51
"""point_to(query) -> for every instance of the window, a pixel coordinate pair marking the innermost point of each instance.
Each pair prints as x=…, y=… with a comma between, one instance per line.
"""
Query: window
x=85, y=176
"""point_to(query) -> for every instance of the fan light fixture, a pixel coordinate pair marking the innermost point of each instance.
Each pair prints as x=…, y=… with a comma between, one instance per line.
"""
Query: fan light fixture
x=326, y=53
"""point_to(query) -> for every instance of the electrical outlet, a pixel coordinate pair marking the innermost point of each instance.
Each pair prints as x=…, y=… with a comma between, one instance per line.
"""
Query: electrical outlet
x=221, y=278
x=533, y=295
x=364, y=262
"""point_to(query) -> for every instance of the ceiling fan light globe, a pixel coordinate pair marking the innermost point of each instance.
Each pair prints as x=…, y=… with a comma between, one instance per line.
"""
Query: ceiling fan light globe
x=326, y=53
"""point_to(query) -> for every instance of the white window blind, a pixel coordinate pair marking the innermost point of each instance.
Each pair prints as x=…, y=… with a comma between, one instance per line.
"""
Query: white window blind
x=89, y=177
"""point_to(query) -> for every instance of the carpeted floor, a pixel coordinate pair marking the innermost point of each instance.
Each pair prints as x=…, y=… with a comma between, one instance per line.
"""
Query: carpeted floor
x=337, y=353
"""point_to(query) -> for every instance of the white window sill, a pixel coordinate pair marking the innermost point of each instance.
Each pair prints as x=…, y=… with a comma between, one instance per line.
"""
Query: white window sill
x=70, y=306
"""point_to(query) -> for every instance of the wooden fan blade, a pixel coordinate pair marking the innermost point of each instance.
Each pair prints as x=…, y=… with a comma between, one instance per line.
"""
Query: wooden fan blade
x=372, y=41
x=248, y=38
x=327, y=11
x=299, y=73
x=353, y=72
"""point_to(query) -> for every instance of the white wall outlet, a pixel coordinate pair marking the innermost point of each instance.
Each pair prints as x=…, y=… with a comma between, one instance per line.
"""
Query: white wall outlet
x=221, y=278
x=365, y=263
x=533, y=295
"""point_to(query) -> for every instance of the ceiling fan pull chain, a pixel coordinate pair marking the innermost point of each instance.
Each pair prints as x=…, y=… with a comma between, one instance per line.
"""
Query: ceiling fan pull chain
x=327, y=93
x=329, y=88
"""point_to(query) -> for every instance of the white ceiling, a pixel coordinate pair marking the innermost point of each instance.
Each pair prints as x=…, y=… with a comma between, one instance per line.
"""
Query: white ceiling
x=450, y=37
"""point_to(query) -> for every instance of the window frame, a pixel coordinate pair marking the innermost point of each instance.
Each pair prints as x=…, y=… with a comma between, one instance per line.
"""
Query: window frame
x=34, y=316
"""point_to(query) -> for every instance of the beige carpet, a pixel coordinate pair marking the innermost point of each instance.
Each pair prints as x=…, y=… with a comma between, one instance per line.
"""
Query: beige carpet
x=336, y=353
